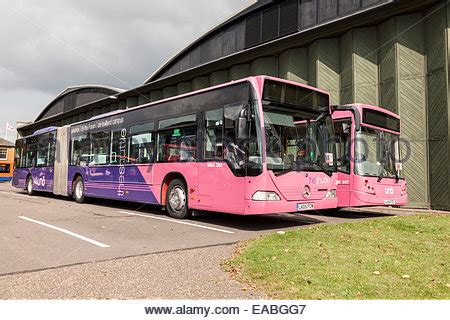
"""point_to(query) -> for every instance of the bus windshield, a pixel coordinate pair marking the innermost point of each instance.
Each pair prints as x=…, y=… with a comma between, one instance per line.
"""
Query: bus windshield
x=305, y=146
x=376, y=153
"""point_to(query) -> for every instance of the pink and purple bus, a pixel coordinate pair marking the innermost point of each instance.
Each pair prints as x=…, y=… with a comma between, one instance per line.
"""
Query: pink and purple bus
x=369, y=157
x=231, y=148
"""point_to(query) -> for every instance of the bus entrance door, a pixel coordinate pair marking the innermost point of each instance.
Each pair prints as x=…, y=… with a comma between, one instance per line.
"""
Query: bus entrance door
x=342, y=128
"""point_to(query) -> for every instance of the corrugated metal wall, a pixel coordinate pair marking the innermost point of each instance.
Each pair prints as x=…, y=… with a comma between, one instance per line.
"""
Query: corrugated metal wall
x=401, y=64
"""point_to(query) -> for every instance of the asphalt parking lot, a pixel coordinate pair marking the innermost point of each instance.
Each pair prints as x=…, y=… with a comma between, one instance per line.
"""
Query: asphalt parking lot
x=44, y=233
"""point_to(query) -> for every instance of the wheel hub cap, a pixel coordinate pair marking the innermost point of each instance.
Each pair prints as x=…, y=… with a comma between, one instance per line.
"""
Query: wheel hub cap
x=177, y=199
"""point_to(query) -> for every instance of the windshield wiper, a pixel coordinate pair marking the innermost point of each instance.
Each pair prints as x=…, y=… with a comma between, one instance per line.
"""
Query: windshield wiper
x=321, y=166
x=282, y=172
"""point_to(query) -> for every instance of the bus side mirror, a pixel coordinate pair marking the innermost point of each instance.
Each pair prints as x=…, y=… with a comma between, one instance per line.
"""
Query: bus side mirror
x=242, y=128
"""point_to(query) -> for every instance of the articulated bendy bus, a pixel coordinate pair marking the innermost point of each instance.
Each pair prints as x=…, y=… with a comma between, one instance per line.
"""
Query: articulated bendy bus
x=369, y=157
x=232, y=148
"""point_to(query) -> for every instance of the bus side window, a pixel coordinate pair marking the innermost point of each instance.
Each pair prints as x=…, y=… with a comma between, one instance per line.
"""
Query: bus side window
x=42, y=151
x=178, y=141
x=18, y=154
x=80, y=150
x=119, y=147
x=142, y=148
x=23, y=155
x=101, y=142
x=5, y=168
x=213, y=145
x=30, y=160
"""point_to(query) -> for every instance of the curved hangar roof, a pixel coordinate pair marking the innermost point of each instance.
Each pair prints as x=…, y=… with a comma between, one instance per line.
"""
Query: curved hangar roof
x=74, y=97
x=260, y=23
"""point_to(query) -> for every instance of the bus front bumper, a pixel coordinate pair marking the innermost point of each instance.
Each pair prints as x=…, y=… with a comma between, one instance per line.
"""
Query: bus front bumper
x=282, y=206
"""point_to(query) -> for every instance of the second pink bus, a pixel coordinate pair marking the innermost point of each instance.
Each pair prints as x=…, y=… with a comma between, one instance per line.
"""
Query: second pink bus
x=370, y=164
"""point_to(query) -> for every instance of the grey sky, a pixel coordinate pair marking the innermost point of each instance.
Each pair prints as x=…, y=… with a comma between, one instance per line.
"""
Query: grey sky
x=50, y=45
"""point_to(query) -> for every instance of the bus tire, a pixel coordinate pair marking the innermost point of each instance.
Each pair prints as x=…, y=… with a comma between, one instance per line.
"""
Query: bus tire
x=78, y=190
x=29, y=186
x=177, y=200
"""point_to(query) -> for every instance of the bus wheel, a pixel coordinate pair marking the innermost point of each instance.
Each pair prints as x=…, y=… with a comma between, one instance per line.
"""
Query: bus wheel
x=177, y=200
x=30, y=186
x=78, y=190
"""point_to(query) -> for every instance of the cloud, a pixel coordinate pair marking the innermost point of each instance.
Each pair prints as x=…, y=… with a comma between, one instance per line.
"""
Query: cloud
x=50, y=45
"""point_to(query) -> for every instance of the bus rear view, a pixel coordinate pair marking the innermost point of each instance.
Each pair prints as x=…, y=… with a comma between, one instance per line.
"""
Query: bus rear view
x=370, y=168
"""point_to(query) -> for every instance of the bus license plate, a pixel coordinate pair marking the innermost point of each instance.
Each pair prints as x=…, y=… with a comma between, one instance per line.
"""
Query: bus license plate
x=305, y=206
x=389, y=202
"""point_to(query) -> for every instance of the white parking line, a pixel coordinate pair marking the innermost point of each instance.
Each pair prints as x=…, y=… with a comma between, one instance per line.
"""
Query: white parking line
x=70, y=233
x=15, y=194
x=177, y=221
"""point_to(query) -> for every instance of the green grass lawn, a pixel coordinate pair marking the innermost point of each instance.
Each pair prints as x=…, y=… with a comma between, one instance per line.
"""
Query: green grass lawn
x=385, y=258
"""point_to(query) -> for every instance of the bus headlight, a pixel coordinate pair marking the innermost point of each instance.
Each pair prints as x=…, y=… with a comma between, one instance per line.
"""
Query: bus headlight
x=265, y=196
x=331, y=194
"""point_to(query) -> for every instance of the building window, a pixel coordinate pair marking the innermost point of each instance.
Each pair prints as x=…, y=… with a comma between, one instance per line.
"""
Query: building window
x=3, y=154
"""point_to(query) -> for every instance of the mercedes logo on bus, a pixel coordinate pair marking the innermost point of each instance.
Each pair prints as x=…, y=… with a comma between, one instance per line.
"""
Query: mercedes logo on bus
x=306, y=192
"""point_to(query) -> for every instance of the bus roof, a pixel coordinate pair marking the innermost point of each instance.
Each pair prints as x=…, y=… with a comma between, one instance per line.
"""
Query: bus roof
x=361, y=106
x=369, y=116
x=257, y=80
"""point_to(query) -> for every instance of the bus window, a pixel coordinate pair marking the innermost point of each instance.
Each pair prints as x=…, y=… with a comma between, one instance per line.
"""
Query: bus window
x=119, y=147
x=30, y=159
x=101, y=142
x=80, y=150
x=178, y=141
x=23, y=155
x=18, y=154
x=5, y=168
x=213, y=145
x=43, y=150
x=234, y=150
x=254, y=161
x=343, y=140
x=142, y=143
